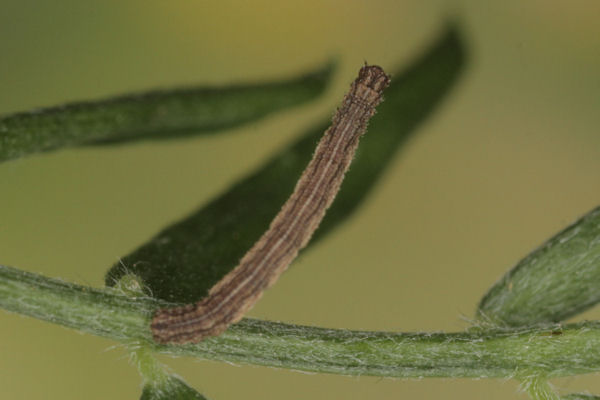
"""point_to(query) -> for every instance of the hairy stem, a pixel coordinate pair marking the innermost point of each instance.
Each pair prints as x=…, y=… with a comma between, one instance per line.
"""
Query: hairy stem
x=548, y=351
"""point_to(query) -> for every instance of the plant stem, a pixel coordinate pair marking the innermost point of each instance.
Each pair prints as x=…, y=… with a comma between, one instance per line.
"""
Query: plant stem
x=548, y=351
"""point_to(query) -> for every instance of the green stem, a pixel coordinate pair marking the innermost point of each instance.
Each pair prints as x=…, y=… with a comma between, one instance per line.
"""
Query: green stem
x=150, y=369
x=541, y=351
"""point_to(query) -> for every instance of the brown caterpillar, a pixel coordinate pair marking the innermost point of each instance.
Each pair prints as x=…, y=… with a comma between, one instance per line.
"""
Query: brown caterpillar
x=230, y=298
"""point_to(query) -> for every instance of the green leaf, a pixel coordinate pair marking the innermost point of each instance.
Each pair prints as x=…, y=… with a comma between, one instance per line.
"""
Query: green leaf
x=153, y=115
x=182, y=262
x=171, y=388
x=557, y=281
x=580, y=396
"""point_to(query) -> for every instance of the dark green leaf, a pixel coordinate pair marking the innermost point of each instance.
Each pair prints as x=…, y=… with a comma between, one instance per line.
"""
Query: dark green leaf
x=153, y=115
x=182, y=262
x=171, y=388
x=580, y=396
x=555, y=282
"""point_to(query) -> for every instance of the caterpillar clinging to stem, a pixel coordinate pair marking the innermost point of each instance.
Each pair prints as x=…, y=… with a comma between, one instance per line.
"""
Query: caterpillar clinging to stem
x=230, y=298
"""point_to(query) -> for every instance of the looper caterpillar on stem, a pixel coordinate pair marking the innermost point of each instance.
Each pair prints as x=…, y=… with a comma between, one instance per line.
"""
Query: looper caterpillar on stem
x=291, y=229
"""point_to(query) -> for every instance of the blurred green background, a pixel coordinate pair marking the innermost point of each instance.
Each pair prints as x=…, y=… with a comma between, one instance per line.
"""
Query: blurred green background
x=511, y=157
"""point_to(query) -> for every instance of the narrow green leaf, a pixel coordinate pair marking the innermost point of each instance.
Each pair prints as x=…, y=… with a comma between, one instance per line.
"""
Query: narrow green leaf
x=171, y=388
x=153, y=115
x=182, y=262
x=557, y=281
x=580, y=396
